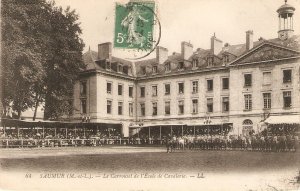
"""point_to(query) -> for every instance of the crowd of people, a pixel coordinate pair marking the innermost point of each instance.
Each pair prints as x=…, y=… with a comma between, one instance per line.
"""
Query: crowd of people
x=11, y=138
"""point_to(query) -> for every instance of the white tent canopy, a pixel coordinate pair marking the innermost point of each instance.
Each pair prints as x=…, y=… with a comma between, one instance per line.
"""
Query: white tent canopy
x=284, y=119
x=175, y=124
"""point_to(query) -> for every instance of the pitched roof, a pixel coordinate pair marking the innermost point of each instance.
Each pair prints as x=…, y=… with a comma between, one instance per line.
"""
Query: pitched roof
x=266, y=51
x=234, y=51
x=92, y=62
x=293, y=42
x=89, y=59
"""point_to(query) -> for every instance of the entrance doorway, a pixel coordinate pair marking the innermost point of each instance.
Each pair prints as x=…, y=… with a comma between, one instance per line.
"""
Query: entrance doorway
x=247, y=127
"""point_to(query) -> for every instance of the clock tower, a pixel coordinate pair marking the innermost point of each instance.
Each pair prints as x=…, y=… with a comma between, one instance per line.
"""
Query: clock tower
x=285, y=17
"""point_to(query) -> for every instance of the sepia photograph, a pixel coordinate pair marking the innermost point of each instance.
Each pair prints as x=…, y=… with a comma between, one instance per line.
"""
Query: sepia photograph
x=146, y=95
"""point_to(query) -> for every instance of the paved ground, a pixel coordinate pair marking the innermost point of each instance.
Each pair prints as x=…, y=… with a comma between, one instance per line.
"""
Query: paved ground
x=241, y=168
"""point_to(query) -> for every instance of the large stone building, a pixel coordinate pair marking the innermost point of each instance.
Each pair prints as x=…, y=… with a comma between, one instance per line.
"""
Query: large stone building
x=237, y=84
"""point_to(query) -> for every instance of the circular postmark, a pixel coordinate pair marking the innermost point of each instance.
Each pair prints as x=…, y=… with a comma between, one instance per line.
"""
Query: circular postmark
x=137, y=28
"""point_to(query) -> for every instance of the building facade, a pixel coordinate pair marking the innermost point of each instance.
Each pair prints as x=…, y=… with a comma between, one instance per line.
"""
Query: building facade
x=238, y=84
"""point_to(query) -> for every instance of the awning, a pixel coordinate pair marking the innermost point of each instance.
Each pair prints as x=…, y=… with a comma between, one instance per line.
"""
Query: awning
x=179, y=124
x=51, y=124
x=283, y=119
x=210, y=124
x=157, y=125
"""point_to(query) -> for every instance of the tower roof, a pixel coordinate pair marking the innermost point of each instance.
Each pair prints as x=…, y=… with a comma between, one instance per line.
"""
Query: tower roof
x=286, y=8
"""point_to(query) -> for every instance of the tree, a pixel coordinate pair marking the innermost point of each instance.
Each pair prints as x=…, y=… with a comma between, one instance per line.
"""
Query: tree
x=22, y=41
x=41, y=56
x=64, y=62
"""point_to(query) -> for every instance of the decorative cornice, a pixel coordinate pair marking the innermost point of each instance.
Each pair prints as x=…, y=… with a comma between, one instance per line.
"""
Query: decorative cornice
x=265, y=61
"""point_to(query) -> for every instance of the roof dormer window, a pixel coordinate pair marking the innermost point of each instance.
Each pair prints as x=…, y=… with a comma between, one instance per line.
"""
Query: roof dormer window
x=143, y=70
x=120, y=68
x=210, y=61
x=154, y=69
x=180, y=66
x=225, y=58
x=168, y=67
x=195, y=63
x=108, y=65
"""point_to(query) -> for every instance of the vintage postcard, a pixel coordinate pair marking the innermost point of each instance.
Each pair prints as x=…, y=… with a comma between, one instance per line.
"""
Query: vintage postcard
x=144, y=95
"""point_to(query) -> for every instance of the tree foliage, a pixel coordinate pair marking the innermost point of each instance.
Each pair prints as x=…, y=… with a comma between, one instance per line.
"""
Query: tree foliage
x=65, y=61
x=41, y=55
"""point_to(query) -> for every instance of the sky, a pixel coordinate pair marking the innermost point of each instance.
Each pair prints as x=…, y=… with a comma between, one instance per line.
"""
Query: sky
x=194, y=21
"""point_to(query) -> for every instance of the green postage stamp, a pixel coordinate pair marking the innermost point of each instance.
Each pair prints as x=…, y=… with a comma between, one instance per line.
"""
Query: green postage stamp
x=134, y=23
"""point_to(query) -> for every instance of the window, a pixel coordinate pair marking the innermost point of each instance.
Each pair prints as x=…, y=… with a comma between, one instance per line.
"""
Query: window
x=83, y=88
x=180, y=65
x=167, y=108
x=154, y=90
x=247, y=127
x=210, y=85
x=287, y=76
x=210, y=105
x=108, y=65
x=287, y=99
x=267, y=78
x=210, y=61
x=70, y=109
x=180, y=87
x=167, y=89
x=83, y=106
x=143, y=109
x=142, y=91
x=120, y=68
x=108, y=106
x=225, y=104
x=131, y=109
x=154, y=69
x=247, y=80
x=195, y=105
x=120, y=108
x=181, y=107
x=108, y=87
x=267, y=100
x=195, y=63
x=130, y=91
x=154, y=108
x=143, y=70
x=168, y=67
x=226, y=58
x=247, y=122
x=195, y=87
x=248, y=101
x=120, y=89
x=225, y=83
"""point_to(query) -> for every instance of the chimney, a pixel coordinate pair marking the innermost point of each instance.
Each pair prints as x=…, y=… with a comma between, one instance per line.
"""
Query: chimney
x=249, y=39
x=104, y=51
x=161, y=54
x=216, y=45
x=186, y=50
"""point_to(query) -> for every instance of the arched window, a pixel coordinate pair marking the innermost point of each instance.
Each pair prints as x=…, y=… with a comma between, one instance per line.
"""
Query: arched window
x=247, y=122
x=247, y=127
